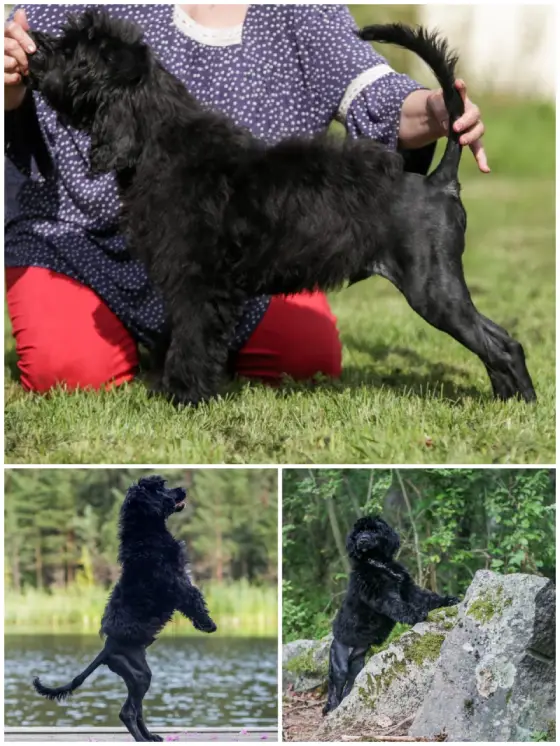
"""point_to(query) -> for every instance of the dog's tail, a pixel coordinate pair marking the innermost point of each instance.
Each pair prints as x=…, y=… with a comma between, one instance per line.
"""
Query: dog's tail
x=435, y=52
x=61, y=692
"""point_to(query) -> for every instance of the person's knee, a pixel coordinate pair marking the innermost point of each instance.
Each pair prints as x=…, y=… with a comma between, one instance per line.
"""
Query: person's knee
x=43, y=369
x=318, y=354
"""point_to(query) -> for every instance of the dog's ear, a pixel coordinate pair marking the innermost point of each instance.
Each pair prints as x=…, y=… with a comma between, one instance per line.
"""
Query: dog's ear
x=115, y=137
x=153, y=483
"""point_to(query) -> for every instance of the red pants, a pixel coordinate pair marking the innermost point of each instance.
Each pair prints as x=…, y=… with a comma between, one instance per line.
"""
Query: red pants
x=65, y=334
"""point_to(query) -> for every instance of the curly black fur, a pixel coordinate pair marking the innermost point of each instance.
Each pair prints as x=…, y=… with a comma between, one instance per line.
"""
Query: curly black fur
x=154, y=583
x=380, y=594
x=218, y=217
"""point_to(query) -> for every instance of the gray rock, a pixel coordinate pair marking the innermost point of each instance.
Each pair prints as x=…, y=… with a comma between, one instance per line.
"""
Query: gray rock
x=305, y=664
x=393, y=682
x=495, y=678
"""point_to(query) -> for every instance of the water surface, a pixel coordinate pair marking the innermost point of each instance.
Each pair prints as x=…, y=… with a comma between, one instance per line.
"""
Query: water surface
x=197, y=681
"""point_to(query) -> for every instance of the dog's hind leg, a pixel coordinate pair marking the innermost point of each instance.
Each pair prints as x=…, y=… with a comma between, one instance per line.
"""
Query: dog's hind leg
x=437, y=291
x=339, y=657
x=131, y=665
x=356, y=662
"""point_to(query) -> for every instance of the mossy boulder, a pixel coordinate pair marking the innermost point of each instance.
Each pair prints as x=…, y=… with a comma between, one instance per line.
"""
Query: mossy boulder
x=495, y=676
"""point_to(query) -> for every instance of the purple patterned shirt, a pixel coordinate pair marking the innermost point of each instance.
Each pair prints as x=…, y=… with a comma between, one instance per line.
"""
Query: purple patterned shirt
x=287, y=70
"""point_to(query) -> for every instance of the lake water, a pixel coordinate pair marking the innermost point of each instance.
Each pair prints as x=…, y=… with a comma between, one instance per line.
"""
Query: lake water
x=197, y=681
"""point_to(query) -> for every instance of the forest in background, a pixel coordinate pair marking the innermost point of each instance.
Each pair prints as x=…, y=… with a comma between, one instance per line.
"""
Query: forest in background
x=452, y=522
x=61, y=544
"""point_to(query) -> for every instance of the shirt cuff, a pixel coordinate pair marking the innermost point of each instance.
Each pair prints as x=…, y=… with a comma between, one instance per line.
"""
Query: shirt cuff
x=371, y=106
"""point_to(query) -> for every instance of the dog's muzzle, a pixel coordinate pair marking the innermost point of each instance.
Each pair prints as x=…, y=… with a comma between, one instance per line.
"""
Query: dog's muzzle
x=180, y=499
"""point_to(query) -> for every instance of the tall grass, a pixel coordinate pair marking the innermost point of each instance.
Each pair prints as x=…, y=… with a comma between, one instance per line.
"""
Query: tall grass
x=239, y=609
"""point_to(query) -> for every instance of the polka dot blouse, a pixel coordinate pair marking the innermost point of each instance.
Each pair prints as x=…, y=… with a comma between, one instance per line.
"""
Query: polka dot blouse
x=287, y=70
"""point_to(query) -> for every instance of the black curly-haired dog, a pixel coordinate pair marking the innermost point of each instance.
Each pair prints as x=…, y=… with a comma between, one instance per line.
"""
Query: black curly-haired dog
x=218, y=217
x=380, y=593
x=154, y=583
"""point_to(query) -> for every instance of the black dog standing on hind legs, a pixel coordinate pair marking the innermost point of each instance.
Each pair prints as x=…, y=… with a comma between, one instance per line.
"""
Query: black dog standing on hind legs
x=154, y=583
x=380, y=594
x=255, y=220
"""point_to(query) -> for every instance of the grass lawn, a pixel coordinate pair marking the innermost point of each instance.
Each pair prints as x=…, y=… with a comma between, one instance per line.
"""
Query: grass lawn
x=409, y=394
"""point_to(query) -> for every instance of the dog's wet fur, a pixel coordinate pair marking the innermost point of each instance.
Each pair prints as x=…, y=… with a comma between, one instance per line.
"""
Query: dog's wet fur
x=380, y=593
x=218, y=217
x=154, y=583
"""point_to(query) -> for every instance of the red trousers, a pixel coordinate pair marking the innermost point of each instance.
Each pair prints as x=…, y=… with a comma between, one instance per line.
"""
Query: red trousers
x=65, y=334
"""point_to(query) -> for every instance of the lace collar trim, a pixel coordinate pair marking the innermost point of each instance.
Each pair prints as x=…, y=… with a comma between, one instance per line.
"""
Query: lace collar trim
x=211, y=37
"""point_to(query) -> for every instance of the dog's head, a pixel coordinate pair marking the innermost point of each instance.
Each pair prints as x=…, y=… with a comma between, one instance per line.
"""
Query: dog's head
x=372, y=538
x=151, y=501
x=91, y=76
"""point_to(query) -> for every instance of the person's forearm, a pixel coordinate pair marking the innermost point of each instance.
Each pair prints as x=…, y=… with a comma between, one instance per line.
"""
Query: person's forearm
x=13, y=97
x=416, y=127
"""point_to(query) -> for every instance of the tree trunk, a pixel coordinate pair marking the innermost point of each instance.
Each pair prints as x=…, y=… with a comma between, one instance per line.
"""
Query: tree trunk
x=337, y=534
x=38, y=564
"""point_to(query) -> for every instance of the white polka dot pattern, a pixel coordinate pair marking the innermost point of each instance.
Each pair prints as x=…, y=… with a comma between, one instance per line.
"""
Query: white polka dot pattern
x=286, y=77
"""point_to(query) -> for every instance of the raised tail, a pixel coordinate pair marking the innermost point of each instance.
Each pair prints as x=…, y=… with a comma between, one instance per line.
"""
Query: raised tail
x=434, y=51
x=62, y=692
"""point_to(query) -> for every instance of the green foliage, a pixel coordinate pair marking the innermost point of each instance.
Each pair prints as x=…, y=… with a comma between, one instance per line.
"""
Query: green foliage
x=452, y=522
x=61, y=541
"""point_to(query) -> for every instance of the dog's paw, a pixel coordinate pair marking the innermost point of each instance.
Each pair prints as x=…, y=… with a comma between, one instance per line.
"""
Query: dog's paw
x=155, y=737
x=452, y=600
x=208, y=626
x=180, y=398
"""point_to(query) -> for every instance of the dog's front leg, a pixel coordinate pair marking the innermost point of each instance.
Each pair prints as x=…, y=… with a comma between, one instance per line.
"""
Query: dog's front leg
x=191, y=603
x=196, y=363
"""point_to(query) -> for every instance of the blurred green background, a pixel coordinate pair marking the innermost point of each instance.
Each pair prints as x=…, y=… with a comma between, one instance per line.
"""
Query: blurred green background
x=451, y=522
x=60, y=547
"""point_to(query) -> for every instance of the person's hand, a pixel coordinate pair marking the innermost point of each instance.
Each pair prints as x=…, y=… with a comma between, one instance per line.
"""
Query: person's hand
x=470, y=125
x=17, y=45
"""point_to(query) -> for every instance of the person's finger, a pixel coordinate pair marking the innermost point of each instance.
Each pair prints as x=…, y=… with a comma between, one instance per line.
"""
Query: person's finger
x=475, y=133
x=10, y=64
x=468, y=119
x=21, y=18
x=14, y=31
x=480, y=156
x=438, y=110
x=12, y=78
x=461, y=86
x=12, y=48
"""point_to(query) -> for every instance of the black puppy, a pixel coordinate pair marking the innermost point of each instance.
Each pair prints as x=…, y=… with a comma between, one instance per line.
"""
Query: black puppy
x=153, y=584
x=380, y=594
x=218, y=217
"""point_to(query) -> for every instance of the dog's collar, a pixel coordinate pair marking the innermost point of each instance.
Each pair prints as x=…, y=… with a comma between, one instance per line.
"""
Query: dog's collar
x=211, y=37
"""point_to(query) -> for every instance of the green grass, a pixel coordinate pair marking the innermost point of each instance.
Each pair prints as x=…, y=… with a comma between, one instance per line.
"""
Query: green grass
x=242, y=609
x=409, y=394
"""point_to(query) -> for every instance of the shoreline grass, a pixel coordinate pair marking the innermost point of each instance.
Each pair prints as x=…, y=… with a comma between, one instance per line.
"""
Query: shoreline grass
x=242, y=609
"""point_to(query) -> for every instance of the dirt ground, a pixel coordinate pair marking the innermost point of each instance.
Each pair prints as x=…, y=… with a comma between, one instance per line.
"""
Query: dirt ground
x=302, y=717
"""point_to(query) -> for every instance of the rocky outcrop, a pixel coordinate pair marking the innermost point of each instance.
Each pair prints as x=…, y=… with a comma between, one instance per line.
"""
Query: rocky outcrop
x=305, y=664
x=495, y=676
x=482, y=671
